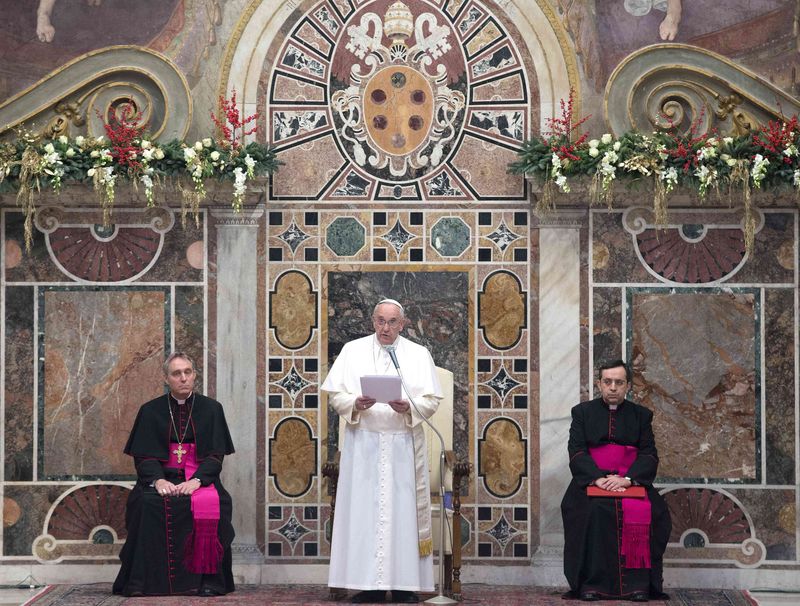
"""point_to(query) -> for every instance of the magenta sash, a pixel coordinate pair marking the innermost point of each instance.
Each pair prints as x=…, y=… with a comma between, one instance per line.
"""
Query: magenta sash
x=636, y=513
x=202, y=552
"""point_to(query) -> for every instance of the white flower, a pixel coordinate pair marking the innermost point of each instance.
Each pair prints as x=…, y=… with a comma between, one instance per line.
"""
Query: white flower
x=49, y=148
x=94, y=153
x=145, y=144
x=724, y=157
x=606, y=139
x=147, y=154
x=214, y=155
x=63, y=139
x=759, y=170
x=593, y=143
x=727, y=140
x=90, y=172
x=594, y=152
x=617, y=145
x=730, y=162
x=198, y=145
x=796, y=179
x=712, y=141
x=207, y=142
x=159, y=154
x=561, y=181
x=100, y=140
x=80, y=140
x=556, y=161
x=189, y=154
x=70, y=152
x=706, y=153
x=790, y=151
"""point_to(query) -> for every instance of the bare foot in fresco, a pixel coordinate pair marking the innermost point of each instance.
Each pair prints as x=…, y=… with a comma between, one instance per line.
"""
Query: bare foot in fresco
x=45, y=31
x=669, y=26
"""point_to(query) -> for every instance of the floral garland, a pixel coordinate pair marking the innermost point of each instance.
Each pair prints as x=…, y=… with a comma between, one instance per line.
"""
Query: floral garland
x=766, y=158
x=30, y=164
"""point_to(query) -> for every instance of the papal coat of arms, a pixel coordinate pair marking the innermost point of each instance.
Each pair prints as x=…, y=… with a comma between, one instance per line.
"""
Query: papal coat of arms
x=401, y=110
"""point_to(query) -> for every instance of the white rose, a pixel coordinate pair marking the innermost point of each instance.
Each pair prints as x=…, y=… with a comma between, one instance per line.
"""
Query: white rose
x=145, y=144
x=712, y=141
x=69, y=153
x=207, y=142
x=594, y=152
x=189, y=153
x=90, y=172
x=731, y=162
x=63, y=139
x=617, y=145
x=198, y=145
x=724, y=157
x=214, y=155
x=80, y=140
x=727, y=140
x=606, y=139
x=49, y=148
x=94, y=153
x=594, y=143
x=147, y=154
x=100, y=139
x=159, y=154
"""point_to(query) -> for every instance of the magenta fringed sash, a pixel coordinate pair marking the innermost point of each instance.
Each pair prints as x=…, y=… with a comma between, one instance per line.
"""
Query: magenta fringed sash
x=636, y=513
x=202, y=552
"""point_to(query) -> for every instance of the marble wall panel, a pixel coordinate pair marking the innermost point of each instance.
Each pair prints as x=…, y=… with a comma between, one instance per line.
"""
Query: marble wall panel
x=29, y=504
x=695, y=361
x=33, y=266
x=189, y=324
x=607, y=336
x=178, y=260
x=435, y=302
x=613, y=256
x=101, y=352
x=293, y=236
x=19, y=383
x=774, y=516
x=773, y=257
x=501, y=472
x=502, y=532
x=779, y=386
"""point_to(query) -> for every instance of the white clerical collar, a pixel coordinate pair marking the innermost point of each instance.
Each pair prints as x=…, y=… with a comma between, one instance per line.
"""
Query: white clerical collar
x=379, y=345
x=182, y=402
x=613, y=406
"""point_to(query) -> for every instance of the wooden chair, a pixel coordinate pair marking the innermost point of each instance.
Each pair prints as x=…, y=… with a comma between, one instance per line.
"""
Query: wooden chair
x=456, y=474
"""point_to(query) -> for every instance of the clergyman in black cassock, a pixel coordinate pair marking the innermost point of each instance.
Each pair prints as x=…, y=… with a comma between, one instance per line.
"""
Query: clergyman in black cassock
x=594, y=561
x=158, y=517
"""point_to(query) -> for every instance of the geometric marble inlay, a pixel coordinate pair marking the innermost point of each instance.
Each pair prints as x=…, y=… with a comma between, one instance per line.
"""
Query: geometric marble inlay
x=293, y=309
x=398, y=236
x=502, y=455
x=503, y=532
x=502, y=236
x=693, y=253
x=502, y=383
x=293, y=530
x=292, y=382
x=293, y=456
x=293, y=236
x=345, y=236
x=502, y=310
x=716, y=515
x=450, y=236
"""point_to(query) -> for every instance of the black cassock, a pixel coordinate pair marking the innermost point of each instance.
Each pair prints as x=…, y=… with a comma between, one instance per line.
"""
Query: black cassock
x=152, y=557
x=593, y=526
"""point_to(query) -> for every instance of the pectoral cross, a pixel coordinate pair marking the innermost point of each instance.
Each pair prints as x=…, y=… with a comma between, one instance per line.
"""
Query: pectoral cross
x=179, y=452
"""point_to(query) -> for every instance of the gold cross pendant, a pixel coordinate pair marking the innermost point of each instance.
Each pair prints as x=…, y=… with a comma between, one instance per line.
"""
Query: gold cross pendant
x=179, y=452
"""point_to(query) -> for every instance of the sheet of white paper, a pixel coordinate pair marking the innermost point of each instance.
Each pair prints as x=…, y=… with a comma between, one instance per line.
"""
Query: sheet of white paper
x=384, y=388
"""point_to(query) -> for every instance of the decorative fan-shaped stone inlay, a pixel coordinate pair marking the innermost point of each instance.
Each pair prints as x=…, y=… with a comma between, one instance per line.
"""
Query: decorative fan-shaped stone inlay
x=502, y=532
x=502, y=457
x=713, y=513
x=293, y=457
x=398, y=236
x=692, y=254
x=80, y=512
x=502, y=236
x=502, y=383
x=293, y=530
x=97, y=254
x=292, y=382
x=294, y=236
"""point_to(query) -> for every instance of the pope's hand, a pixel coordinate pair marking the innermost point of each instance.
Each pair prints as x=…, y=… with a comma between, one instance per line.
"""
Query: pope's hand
x=364, y=402
x=401, y=406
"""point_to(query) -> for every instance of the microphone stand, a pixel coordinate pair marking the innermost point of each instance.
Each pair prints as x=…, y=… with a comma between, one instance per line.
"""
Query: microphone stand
x=441, y=598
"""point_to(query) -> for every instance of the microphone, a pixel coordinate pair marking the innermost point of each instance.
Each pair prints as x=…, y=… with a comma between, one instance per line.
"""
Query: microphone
x=390, y=349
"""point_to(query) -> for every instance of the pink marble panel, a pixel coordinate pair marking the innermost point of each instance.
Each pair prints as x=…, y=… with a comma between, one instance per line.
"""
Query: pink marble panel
x=103, y=351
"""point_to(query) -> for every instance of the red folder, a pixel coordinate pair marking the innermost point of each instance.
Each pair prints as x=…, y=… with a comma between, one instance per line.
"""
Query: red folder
x=632, y=492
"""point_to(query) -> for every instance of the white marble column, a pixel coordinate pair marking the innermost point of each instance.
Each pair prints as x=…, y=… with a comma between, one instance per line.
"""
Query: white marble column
x=560, y=357
x=237, y=333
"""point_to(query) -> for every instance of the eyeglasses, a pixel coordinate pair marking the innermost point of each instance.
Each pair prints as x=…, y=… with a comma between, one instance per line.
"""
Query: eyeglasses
x=393, y=323
x=617, y=382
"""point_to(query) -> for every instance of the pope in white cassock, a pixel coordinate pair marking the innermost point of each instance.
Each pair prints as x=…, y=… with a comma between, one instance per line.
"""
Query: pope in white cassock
x=382, y=528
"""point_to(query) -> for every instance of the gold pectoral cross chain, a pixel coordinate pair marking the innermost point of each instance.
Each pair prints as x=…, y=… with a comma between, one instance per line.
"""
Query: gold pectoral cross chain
x=179, y=451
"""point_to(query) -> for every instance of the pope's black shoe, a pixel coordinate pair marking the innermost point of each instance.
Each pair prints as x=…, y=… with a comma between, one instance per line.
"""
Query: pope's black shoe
x=404, y=597
x=369, y=597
